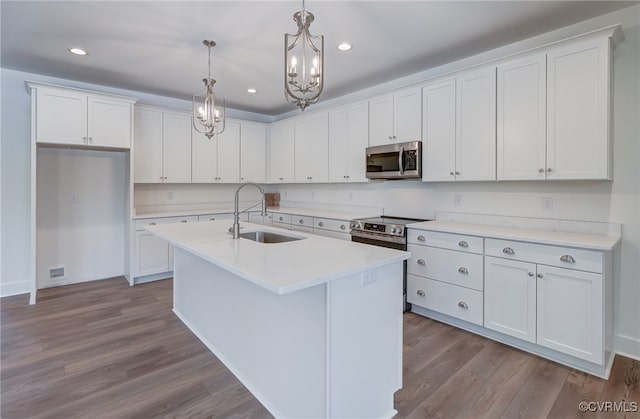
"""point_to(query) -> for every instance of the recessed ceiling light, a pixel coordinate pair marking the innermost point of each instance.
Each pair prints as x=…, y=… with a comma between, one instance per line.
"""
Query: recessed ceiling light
x=251, y=90
x=344, y=46
x=77, y=51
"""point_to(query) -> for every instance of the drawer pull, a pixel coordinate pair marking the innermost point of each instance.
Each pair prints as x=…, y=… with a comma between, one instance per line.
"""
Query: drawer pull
x=462, y=304
x=212, y=219
x=421, y=238
x=540, y=276
x=421, y=262
x=281, y=218
x=463, y=270
x=530, y=273
x=508, y=251
x=463, y=243
x=568, y=259
x=152, y=223
x=420, y=293
x=321, y=224
x=183, y=221
x=343, y=227
x=301, y=221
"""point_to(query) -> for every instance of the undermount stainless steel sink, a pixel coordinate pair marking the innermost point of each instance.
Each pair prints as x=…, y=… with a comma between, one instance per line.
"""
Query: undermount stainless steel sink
x=263, y=236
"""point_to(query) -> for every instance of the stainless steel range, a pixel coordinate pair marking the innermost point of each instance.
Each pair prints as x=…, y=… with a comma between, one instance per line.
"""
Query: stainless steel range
x=385, y=231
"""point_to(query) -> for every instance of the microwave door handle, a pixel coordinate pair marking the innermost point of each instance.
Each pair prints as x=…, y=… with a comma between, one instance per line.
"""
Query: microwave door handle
x=401, y=160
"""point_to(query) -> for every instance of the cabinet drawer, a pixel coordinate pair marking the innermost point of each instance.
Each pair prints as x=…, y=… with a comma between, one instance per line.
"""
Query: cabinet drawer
x=471, y=244
x=220, y=216
x=459, y=302
x=282, y=218
x=330, y=224
x=142, y=223
x=458, y=268
x=302, y=221
x=563, y=257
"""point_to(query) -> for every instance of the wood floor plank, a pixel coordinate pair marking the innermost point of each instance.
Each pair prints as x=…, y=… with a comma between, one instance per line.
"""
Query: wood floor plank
x=105, y=349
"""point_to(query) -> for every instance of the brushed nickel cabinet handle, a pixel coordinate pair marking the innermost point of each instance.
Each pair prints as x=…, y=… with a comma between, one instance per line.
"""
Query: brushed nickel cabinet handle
x=421, y=262
x=540, y=276
x=567, y=258
x=321, y=224
x=463, y=270
x=183, y=221
x=463, y=243
x=343, y=227
x=541, y=170
x=463, y=305
x=530, y=273
x=152, y=223
x=420, y=293
x=421, y=238
x=508, y=251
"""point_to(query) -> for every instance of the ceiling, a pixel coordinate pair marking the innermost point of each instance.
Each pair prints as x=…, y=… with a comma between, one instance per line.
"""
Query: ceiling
x=156, y=46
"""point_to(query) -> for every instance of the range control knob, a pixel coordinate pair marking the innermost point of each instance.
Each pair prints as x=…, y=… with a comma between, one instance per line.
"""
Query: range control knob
x=394, y=230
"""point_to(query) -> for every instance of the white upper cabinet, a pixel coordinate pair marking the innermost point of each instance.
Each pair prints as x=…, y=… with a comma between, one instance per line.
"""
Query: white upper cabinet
x=253, y=152
x=162, y=146
x=311, y=148
x=348, y=140
x=439, y=128
x=476, y=125
x=281, y=155
x=396, y=117
x=80, y=118
x=216, y=160
x=578, y=110
x=521, y=124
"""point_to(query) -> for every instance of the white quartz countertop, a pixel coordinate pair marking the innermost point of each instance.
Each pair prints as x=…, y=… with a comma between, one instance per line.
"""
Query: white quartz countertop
x=321, y=213
x=559, y=238
x=279, y=267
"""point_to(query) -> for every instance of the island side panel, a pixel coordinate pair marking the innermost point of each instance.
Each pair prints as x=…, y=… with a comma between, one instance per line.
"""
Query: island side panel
x=365, y=343
x=275, y=344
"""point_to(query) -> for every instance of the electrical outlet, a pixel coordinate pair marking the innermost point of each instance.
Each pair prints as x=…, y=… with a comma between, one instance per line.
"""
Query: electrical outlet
x=313, y=195
x=368, y=277
x=457, y=200
x=56, y=272
x=170, y=196
x=547, y=204
x=73, y=198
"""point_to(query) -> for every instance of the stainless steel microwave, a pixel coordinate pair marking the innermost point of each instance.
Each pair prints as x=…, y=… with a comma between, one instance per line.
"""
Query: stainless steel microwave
x=395, y=161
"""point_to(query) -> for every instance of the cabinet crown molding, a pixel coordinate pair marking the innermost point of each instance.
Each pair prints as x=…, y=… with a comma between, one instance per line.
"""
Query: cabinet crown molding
x=34, y=85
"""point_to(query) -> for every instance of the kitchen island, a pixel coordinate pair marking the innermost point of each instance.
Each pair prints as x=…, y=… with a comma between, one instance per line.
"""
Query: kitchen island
x=312, y=327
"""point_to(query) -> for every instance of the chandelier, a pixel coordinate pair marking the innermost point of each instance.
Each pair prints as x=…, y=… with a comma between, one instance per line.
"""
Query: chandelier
x=208, y=109
x=303, y=63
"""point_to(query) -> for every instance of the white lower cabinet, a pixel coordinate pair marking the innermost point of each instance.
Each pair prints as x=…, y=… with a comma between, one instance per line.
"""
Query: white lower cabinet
x=152, y=254
x=547, y=299
x=510, y=297
x=570, y=312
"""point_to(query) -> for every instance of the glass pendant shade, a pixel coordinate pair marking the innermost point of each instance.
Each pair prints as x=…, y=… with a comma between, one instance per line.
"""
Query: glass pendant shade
x=303, y=63
x=208, y=109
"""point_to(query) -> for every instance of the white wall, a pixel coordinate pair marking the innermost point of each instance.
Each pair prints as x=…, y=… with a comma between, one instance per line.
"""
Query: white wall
x=86, y=237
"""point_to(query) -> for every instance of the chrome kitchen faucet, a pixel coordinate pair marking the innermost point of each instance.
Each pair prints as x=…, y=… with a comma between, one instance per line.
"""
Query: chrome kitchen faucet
x=236, y=212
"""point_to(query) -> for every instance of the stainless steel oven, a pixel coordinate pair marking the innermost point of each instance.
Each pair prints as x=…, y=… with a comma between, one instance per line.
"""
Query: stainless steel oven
x=385, y=231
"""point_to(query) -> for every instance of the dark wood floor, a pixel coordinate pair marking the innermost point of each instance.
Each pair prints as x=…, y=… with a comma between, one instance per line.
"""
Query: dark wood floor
x=104, y=349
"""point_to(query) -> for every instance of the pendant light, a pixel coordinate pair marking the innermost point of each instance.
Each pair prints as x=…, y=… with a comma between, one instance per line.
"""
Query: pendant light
x=208, y=109
x=303, y=62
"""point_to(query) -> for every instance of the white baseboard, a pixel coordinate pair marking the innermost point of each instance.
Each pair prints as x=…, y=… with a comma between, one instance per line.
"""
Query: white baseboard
x=14, y=288
x=627, y=346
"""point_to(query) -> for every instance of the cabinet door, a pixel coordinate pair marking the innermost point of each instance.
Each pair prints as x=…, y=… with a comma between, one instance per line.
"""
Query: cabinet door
x=109, y=122
x=570, y=312
x=312, y=148
x=521, y=136
x=177, y=148
x=253, y=152
x=229, y=153
x=578, y=111
x=147, y=146
x=357, y=141
x=338, y=146
x=439, y=128
x=152, y=254
x=204, y=158
x=407, y=115
x=61, y=116
x=510, y=297
x=381, y=120
x=476, y=125
x=281, y=144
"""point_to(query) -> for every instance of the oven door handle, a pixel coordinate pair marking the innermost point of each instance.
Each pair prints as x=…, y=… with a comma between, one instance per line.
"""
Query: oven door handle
x=401, y=160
